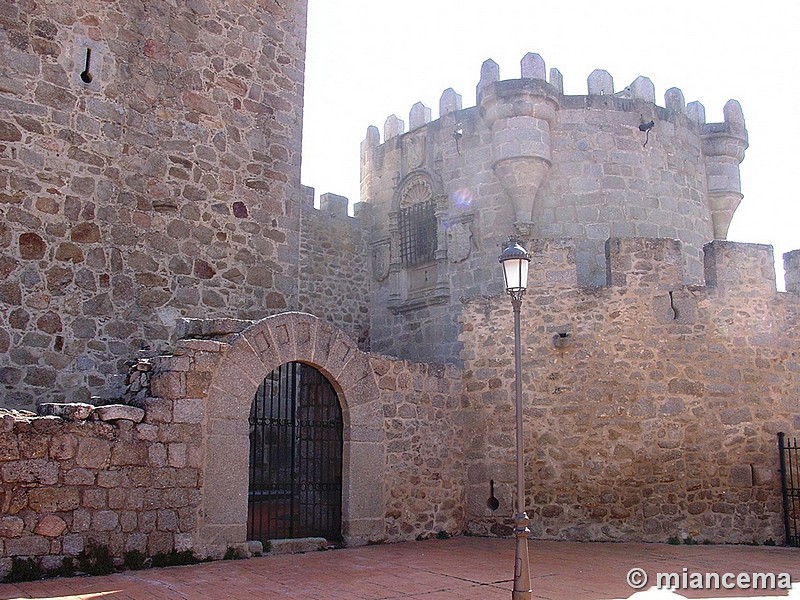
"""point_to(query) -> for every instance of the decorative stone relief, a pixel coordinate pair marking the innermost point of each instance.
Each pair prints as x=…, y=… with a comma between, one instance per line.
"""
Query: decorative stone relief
x=415, y=152
x=418, y=190
x=380, y=260
x=459, y=242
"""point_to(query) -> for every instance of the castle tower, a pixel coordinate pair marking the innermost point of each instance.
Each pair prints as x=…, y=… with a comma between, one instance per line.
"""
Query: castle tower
x=530, y=160
x=150, y=171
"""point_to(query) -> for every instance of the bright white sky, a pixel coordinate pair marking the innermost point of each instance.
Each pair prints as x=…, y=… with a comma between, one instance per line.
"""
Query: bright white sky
x=368, y=59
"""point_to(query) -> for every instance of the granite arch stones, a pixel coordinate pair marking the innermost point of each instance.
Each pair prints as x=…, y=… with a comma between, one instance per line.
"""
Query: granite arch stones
x=254, y=353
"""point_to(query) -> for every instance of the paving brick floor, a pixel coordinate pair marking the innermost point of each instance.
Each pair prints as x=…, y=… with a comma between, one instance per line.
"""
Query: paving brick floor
x=463, y=568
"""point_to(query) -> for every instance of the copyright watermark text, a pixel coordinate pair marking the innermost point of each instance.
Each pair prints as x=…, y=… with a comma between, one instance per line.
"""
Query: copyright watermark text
x=686, y=579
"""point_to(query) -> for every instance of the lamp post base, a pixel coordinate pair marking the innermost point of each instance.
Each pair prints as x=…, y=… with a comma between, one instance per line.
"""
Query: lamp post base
x=522, y=576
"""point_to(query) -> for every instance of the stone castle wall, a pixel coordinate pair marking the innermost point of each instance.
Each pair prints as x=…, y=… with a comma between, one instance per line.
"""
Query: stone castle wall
x=333, y=282
x=424, y=478
x=529, y=158
x=160, y=182
x=651, y=408
x=173, y=475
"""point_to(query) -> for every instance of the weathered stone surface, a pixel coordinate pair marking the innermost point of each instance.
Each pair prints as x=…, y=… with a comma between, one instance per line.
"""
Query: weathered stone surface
x=31, y=545
x=113, y=412
x=297, y=546
x=72, y=411
x=31, y=246
x=9, y=132
x=11, y=527
x=50, y=526
x=53, y=499
x=149, y=211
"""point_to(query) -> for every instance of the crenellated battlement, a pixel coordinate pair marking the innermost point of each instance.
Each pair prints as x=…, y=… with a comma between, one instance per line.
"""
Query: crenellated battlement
x=598, y=83
x=729, y=267
x=331, y=204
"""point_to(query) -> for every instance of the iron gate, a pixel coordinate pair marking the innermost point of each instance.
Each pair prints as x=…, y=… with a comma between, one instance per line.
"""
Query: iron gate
x=295, y=457
x=790, y=479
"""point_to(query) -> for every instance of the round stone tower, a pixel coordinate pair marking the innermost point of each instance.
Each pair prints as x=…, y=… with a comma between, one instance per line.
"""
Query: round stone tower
x=530, y=160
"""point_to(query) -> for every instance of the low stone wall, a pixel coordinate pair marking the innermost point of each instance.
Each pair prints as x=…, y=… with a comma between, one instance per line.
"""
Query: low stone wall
x=173, y=473
x=122, y=477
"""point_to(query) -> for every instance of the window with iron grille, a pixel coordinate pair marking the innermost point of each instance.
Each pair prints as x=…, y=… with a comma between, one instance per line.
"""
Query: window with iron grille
x=418, y=233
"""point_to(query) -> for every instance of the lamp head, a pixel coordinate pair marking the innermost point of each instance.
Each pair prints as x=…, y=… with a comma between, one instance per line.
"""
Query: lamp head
x=515, y=261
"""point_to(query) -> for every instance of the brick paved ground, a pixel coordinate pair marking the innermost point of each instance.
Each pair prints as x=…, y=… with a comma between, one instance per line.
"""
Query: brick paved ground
x=462, y=568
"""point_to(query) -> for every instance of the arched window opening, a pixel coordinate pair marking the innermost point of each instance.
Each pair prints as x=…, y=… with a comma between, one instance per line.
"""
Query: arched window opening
x=417, y=224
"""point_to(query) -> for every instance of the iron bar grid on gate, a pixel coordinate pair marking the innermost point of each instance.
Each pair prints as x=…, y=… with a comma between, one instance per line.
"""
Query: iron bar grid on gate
x=790, y=483
x=295, y=456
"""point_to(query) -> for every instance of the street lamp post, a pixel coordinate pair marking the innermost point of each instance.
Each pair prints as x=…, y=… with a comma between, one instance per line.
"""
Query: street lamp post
x=515, y=261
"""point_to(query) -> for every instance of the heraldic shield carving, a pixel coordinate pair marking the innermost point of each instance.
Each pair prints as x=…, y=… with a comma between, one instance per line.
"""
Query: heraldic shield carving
x=415, y=151
x=459, y=242
x=380, y=260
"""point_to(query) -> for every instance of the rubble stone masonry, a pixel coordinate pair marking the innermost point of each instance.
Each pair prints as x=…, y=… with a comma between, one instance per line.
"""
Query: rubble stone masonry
x=149, y=170
x=173, y=474
x=651, y=408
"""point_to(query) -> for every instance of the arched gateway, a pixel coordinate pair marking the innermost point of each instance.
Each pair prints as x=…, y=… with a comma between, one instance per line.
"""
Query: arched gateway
x=253, y=356
x=295, y=473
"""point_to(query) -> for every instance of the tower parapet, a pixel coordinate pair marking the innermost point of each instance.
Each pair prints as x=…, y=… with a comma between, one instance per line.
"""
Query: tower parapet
x=791, y=265
x=736, y=266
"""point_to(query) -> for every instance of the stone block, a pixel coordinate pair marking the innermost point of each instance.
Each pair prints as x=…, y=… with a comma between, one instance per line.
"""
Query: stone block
x=53, y=499
x=168, y=384
x=791, y=265
x=158, y=410
x=184, y=542
x=739, y=268
x=532, y=66
x=9, y=448
x=115, y=412
x=93, y=453
x=105, y=520
x=30, y=471
x=600, y=83
x=189, y=410
x=644, y=262
x=363, y=493
x=393, y=127
x=11, y=527
x=136, y=541
x=197, y=384
x=160, y=542
x=298, y=545
x=250, y=353
x=50, y=526
x=177, y=455
x=29, y=545
x=72, y=544
x=359, y=532
x=63, y=447
x=79, y=476
x=449, y=102
x=334, y=205
x=225, y=489
x=72, y=411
